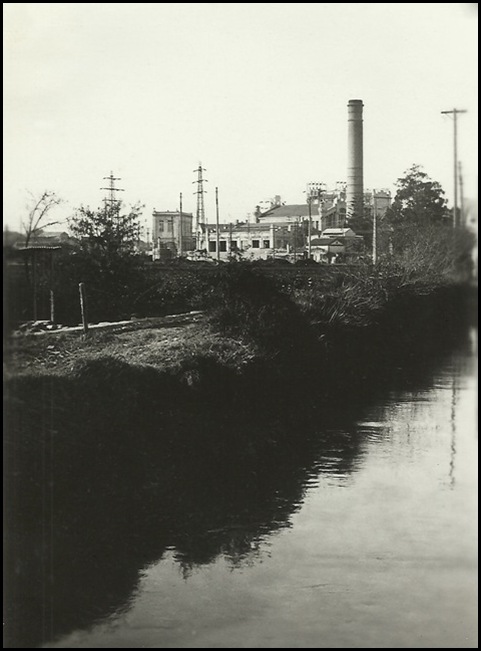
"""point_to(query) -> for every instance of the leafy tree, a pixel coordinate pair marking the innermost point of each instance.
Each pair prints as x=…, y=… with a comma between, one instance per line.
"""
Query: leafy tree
x=107, y=232
x=419, y=200
x=104, y=258
x=363, y=225
x=418, y=204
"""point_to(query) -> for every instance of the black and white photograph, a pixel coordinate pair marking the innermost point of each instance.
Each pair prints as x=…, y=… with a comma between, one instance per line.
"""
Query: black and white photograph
x=240, y=328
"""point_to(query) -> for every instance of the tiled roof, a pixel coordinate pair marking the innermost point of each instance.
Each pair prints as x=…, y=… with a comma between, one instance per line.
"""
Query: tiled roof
x=337, y=231
x=52, y=234
x=292, y=210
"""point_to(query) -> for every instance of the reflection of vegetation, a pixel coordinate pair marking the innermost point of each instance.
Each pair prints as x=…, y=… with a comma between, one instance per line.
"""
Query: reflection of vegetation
x=114, y=464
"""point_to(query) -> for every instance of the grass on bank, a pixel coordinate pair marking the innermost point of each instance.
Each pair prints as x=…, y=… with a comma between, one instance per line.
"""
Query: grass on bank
x=166, y=348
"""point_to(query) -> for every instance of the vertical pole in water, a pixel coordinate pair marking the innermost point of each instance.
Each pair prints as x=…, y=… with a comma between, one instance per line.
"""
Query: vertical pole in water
x=83, y=307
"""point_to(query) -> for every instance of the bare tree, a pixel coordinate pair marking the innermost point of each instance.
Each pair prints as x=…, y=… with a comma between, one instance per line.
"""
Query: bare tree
x=36, y=220
x=39, y=210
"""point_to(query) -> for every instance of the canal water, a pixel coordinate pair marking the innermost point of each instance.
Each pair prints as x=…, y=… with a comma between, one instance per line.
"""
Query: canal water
x=366, y=540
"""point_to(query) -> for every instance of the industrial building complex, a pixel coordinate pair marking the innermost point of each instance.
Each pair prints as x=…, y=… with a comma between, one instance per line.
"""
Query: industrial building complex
x=320, y=228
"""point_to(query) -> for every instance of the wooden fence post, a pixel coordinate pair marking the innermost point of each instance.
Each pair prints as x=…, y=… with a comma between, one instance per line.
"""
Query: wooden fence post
x=52, y=306
x=34, y=273
x=83, y=307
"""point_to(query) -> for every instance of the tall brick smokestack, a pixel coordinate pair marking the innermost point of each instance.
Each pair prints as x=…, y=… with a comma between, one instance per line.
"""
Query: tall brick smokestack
x=355, y=182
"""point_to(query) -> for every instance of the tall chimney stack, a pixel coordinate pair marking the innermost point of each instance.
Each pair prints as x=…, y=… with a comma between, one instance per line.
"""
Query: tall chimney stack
x=355, y=183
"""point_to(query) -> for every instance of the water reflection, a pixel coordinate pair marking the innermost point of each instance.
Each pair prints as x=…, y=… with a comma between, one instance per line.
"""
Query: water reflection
x=453, y=434
x=85, y=520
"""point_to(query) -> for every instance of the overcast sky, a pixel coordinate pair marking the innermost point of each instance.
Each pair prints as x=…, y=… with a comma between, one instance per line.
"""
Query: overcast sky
x=257, y=92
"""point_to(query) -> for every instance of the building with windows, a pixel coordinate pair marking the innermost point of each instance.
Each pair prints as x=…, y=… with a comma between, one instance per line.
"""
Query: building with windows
x=378, y=201
x=171, y=233
x=280, y=229
x=254, y=241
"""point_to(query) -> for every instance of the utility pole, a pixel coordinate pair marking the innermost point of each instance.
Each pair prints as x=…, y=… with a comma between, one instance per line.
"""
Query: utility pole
x=296, y=235
x=52, y=297
x=181, y=241
x=309, y=228
x=314, y=191
x=455, y=112
x=217, y=224
x=200, y=212
x=461, y=195
x=374, y=227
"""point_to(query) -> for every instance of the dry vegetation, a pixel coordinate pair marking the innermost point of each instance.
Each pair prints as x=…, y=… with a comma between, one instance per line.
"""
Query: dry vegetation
x=147, y=342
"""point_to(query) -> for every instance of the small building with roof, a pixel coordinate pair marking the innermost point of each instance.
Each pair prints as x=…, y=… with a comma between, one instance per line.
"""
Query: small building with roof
x=336, y=242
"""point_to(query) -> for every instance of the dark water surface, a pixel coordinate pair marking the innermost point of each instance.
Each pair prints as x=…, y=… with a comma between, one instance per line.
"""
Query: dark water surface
x=351, y=525
x=378, y=548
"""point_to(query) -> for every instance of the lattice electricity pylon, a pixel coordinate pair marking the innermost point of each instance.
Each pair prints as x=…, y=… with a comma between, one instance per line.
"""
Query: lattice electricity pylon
x=111, y=199
x=200, y=212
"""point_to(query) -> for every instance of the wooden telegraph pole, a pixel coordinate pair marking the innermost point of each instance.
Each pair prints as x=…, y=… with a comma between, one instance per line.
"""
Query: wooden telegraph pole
x=374, y=227
x=309, y=228
x=461, y=195
x=217, y=240
x=181, y=240
x=52, y=297
x=454, y=113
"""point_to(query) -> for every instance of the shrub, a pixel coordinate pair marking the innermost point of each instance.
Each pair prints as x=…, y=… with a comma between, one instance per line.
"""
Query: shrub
x=250, y=305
